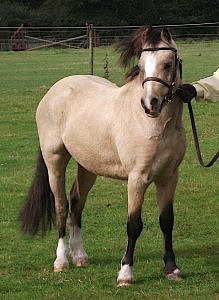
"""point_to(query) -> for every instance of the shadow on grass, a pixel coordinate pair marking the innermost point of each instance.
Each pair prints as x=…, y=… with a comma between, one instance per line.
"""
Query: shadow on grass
x=208, y=255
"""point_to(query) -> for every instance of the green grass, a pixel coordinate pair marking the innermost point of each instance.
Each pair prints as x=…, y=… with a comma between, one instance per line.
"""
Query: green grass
x=26, y=265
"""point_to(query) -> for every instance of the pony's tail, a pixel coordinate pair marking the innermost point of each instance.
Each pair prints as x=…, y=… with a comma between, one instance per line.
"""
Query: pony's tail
x=39, y=207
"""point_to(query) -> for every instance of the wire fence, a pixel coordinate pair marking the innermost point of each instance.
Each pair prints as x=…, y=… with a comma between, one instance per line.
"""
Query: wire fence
x=29, y=38
x=69, y=48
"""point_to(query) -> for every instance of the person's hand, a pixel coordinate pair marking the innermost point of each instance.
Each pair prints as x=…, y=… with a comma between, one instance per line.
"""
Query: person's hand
x=186, y=92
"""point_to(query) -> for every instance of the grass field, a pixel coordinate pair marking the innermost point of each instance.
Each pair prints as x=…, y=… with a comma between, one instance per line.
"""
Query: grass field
x=26, y=265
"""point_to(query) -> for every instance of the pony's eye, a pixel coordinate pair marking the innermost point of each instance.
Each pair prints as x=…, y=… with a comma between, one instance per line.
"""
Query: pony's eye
x=167, y=66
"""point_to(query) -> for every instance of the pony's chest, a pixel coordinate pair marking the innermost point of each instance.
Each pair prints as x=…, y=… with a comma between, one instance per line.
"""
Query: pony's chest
x=168, y=153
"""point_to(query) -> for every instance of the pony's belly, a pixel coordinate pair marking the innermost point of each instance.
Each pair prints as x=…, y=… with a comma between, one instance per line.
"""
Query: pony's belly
x=107, y=165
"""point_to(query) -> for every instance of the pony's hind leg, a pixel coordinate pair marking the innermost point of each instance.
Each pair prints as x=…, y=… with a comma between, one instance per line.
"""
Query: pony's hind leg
x=165, y=195
x=56, y=164
x=82, y=185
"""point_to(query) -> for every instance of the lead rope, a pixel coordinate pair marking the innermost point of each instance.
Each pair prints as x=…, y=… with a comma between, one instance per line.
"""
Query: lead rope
x=195, y=136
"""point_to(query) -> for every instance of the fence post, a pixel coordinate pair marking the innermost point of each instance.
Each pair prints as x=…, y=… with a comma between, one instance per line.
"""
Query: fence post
x=91, y=49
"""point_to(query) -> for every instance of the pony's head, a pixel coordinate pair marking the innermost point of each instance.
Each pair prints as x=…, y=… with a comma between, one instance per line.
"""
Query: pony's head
x=158, y=68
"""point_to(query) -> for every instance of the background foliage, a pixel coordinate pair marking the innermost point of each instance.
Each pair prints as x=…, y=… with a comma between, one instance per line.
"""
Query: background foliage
x=108, y=12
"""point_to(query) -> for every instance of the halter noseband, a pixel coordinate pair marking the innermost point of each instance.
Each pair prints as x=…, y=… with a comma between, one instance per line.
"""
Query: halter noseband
x=169, y=97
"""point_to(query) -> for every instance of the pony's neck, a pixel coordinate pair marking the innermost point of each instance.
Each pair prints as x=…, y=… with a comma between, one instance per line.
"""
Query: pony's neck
x=173, y=111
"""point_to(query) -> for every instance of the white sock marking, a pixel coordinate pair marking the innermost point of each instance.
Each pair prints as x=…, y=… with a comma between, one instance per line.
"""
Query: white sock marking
x=125, y=273
x=61, y=254
x=76, y=245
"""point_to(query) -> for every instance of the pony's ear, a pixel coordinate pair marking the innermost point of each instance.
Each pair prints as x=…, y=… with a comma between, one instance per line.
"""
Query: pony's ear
x=165, y=35
x=131, y=46
x=139, y=38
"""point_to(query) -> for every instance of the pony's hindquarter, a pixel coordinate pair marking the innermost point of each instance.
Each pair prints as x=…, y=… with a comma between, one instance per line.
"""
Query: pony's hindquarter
x=38, y=209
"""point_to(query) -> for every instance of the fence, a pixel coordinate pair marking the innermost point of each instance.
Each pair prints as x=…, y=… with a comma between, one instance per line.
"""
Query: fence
x=78, y=37
x=81, y=40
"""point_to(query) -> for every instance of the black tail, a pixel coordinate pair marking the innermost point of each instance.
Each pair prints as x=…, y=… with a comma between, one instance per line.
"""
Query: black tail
x=39, y=207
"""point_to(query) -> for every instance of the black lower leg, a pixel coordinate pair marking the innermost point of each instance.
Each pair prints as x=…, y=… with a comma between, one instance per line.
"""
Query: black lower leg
x=75, y=206
x=62, y=217
x=134, y=228
x=166, y=224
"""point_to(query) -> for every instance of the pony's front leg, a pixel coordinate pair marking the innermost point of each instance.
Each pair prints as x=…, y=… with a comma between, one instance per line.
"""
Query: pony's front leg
x=165, y=195
x=136, y=190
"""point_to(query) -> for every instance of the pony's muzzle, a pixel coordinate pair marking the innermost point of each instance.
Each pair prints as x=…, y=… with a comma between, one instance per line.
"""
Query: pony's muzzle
x=153, y=110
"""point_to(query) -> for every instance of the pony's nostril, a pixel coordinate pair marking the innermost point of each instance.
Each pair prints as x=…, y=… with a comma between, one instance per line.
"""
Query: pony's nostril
x=154, y=103
x=143, y=104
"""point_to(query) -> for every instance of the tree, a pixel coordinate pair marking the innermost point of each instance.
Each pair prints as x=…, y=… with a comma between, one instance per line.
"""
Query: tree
x=107, y=12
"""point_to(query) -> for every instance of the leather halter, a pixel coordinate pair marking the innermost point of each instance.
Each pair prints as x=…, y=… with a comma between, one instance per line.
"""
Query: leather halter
x=169, y=97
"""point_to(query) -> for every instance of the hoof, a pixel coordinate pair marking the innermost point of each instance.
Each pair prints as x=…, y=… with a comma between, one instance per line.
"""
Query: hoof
x=176, y=275
x=125, y=276
x=81, y=262
x=121, y=283
x=61, y=268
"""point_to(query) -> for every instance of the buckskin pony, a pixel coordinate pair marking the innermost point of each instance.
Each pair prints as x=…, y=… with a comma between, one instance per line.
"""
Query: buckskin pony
x=133, y=132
